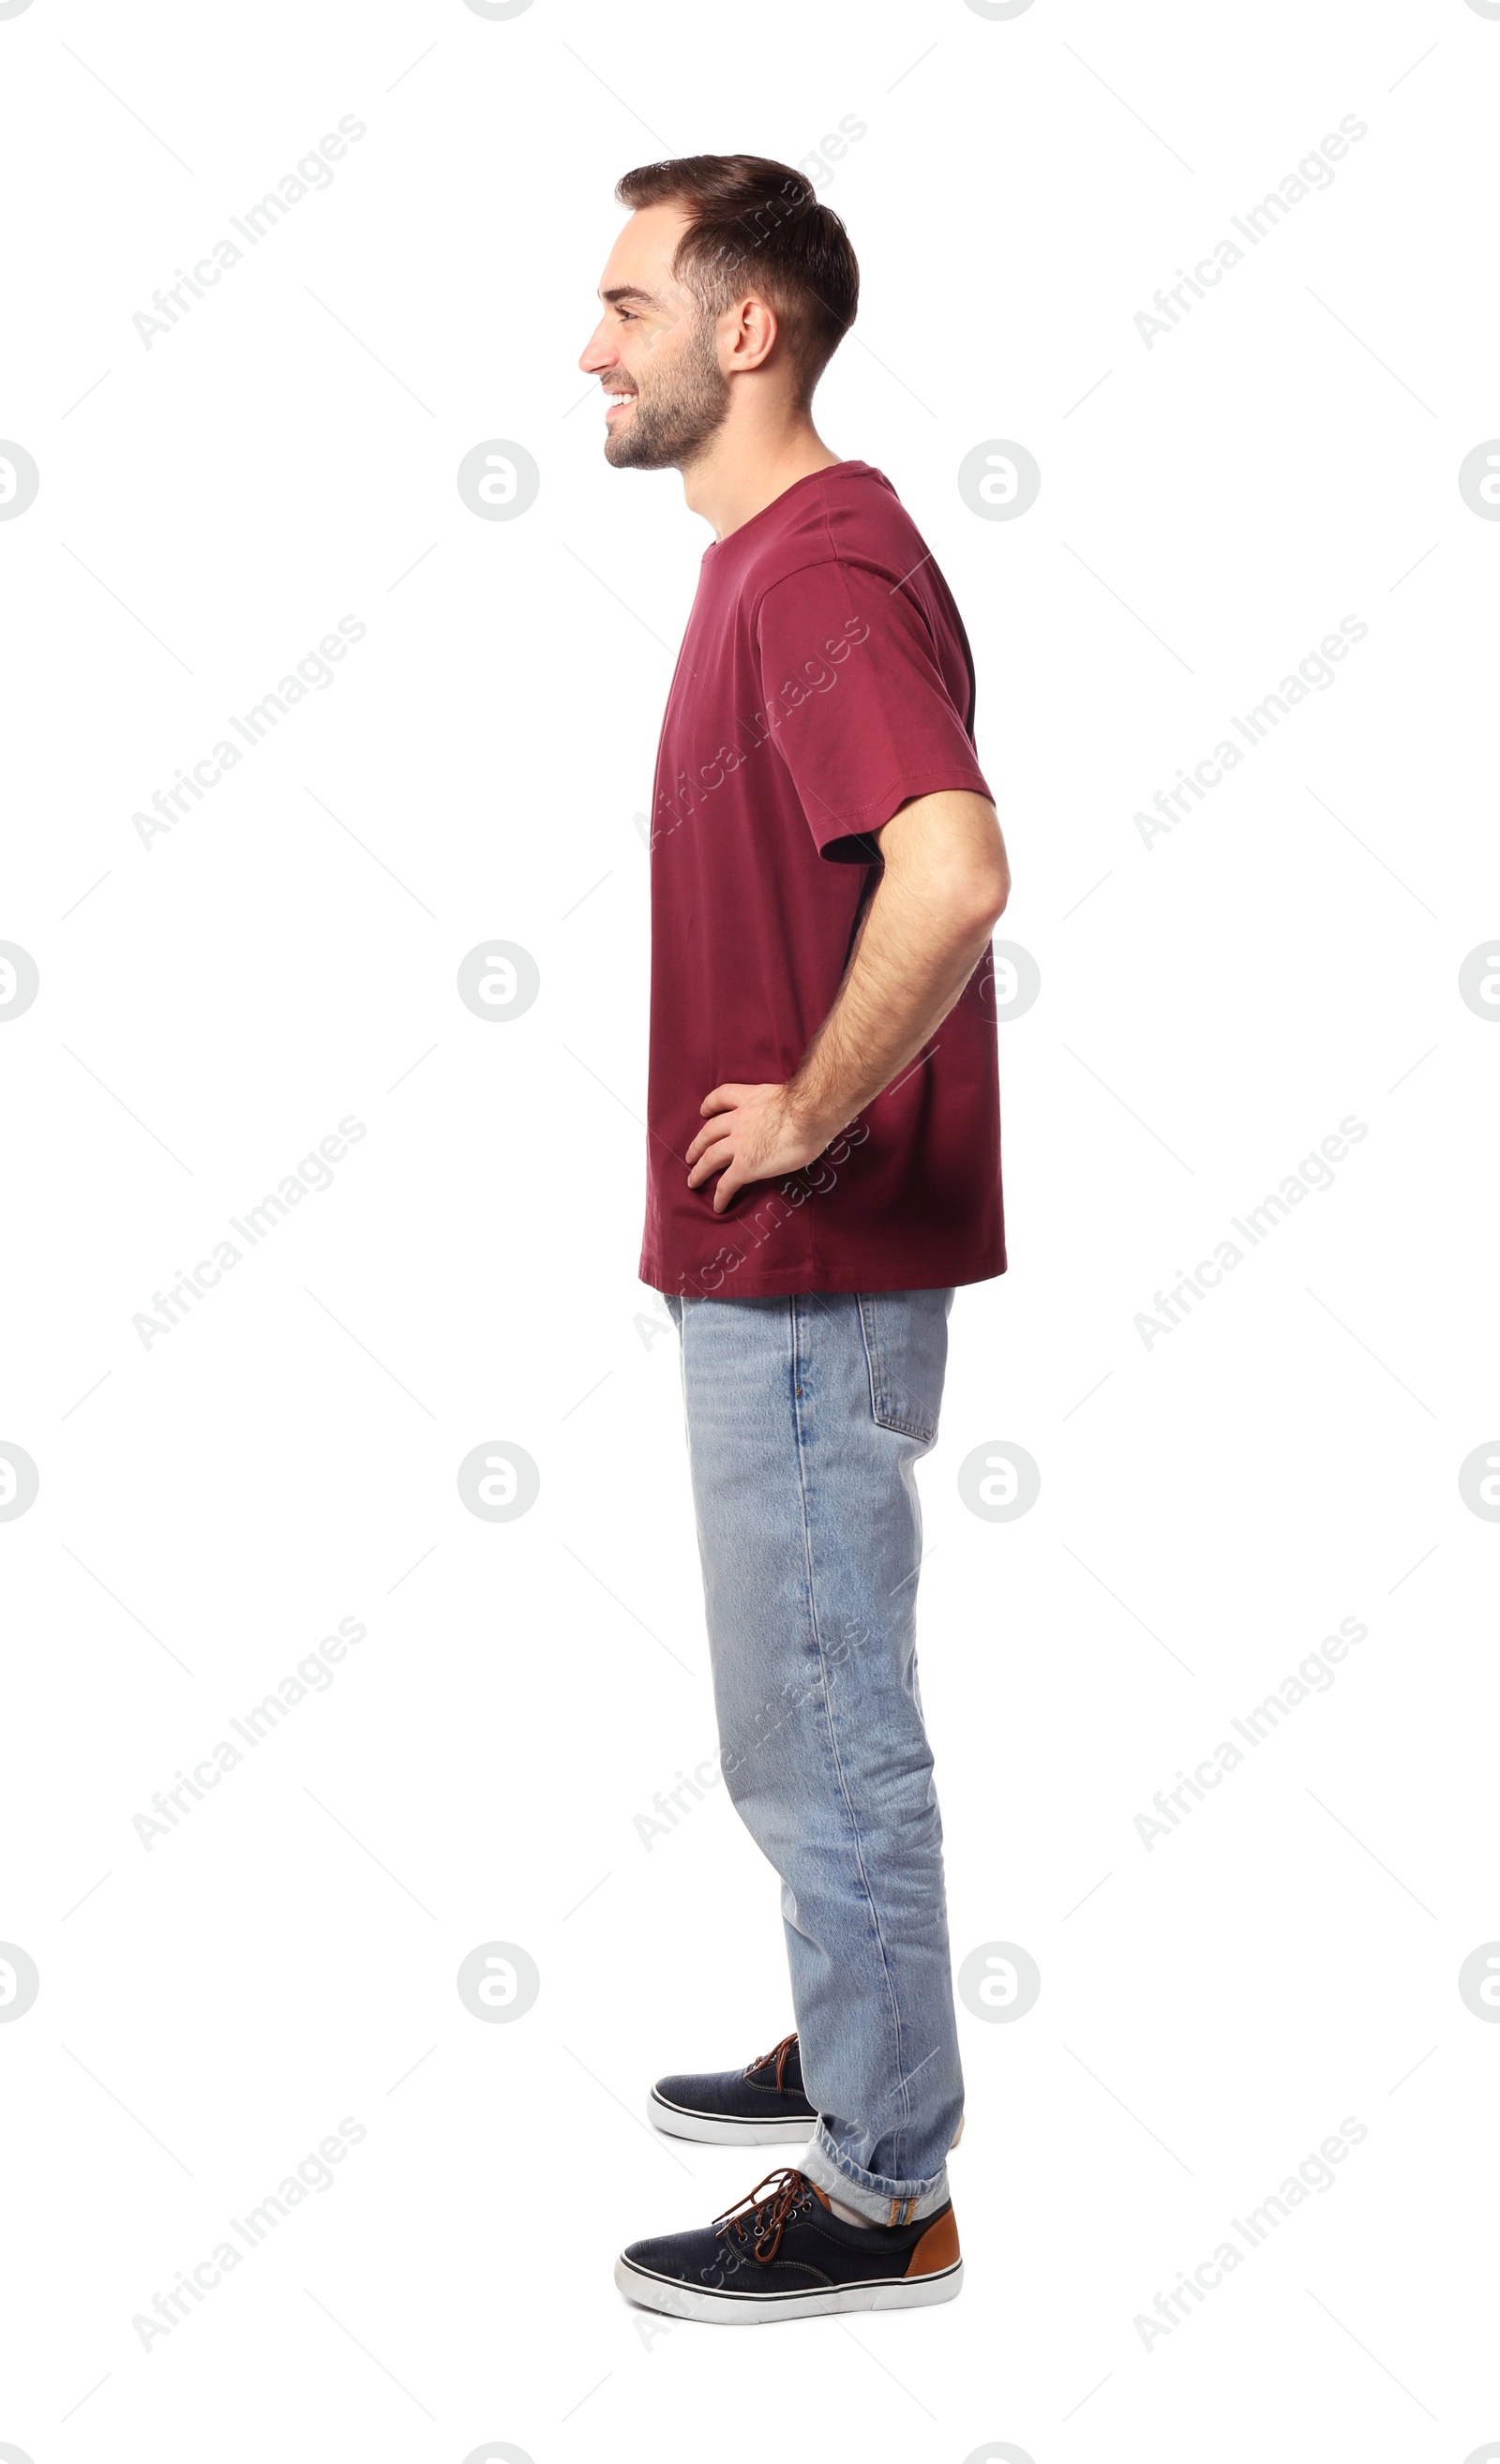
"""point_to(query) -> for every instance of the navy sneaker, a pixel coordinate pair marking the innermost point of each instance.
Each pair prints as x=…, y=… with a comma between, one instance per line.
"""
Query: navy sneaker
x=761, y=2106
x=756, y=2107
x=783, y=2253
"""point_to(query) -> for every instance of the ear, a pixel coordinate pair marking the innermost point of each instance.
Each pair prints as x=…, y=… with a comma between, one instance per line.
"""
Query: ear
x=749, y=334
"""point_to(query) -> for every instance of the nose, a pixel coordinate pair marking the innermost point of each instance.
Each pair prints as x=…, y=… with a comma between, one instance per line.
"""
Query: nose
x=598, y=353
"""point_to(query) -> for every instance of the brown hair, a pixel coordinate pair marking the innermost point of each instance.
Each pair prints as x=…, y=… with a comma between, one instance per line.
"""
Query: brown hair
x=757, y=220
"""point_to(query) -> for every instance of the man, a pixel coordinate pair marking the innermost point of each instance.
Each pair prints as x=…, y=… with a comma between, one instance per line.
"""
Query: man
x=823, y=1169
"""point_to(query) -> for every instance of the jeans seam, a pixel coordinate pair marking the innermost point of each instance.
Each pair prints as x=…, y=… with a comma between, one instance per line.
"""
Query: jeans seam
x=830, y=1733
x=682, y=1376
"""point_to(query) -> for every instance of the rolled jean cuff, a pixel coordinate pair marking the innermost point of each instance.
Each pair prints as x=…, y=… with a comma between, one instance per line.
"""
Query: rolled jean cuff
x=870, y=2195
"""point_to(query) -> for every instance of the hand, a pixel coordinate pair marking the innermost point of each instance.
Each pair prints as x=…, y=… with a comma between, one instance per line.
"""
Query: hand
x=753, y=1134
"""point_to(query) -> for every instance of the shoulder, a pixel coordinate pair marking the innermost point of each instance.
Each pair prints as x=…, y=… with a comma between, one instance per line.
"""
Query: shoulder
x=848, y=527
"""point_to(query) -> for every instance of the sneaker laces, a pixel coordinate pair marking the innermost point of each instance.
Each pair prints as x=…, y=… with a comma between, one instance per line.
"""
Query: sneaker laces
x=778, y=2054
x=764, y=2211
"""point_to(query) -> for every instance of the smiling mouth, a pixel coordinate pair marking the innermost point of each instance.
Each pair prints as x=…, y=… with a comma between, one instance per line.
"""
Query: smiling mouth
x=614, y=402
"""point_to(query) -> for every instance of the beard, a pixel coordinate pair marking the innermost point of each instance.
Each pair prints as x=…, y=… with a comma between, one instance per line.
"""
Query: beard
x=677, y=411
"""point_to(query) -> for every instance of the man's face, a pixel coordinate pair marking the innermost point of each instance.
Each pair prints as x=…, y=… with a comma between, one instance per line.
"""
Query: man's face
x=655, y=349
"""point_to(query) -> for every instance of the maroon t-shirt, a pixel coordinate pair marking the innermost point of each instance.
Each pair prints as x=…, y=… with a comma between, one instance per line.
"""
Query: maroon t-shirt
x=824, y=679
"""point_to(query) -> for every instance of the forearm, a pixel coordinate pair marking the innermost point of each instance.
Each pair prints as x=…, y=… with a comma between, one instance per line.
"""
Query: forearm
x=944, y=882
x=912, y=959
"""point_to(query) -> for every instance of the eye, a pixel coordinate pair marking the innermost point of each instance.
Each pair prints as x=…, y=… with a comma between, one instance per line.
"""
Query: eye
x=627, y=316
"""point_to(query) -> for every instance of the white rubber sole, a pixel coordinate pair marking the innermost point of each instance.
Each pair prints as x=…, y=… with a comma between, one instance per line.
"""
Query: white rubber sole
x=761, y=2309
x=713, y=2130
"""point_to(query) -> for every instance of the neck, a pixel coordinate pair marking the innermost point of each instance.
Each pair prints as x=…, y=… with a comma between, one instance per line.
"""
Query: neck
x=741, y=473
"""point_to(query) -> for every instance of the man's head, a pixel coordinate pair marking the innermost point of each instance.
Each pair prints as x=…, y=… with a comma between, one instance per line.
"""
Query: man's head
x=729, y=268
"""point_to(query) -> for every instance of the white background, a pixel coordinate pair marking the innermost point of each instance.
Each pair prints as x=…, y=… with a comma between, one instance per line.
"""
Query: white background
x=1211, y=1007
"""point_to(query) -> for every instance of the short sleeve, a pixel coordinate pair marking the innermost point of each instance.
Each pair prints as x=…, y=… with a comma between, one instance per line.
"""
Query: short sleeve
x=860, y=700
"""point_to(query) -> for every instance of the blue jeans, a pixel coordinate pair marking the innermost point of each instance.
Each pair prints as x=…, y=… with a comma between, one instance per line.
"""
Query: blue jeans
x=806, y=1416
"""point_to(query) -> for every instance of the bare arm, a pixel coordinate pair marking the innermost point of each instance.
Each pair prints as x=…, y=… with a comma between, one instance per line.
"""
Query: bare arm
x=943, y=884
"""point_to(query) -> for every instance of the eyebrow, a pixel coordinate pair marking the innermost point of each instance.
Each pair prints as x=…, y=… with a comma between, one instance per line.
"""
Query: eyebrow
x=627, y=291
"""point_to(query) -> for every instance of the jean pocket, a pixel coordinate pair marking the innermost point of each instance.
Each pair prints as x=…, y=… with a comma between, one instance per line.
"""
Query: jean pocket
x=906, y=1347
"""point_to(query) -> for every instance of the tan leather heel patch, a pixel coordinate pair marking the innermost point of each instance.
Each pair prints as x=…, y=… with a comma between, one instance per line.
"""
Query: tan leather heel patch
x=938, y=2247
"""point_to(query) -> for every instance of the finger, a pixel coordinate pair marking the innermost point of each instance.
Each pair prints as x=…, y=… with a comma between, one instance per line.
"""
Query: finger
x=709, y=1135
x=713, y=1160
x=731, y=1182
x=722, y=1099
x=719, y=1133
